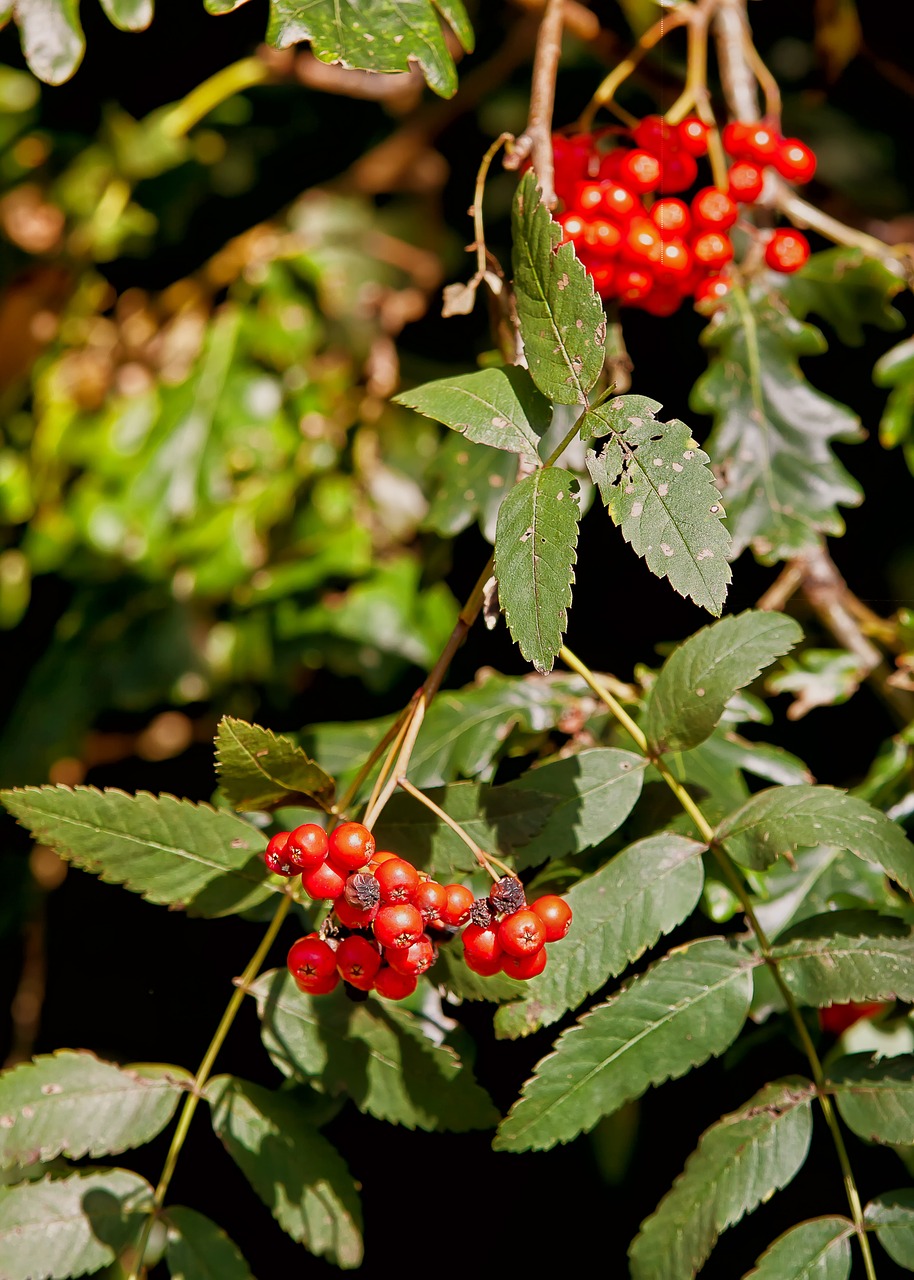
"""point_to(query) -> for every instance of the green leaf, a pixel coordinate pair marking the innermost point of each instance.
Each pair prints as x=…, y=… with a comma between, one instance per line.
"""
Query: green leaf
x=259, y=769
x=73, y=1104
x=702, y=674
x=452, y=973
x=372, y=1052
x=293, y=1168
x=875, y=1096
x=817, y=678
x=815, y=1250
x=52, y=38
x=197, y=1249
x=129, y=15
x=739, y=1164
x=645, y=891
x=893, y=1216
x=821, y=879
x=468, y=482
x=498, y=407
x=847, y=955
x=561, y=319
x=848, y=289
x=687, y=1008
x=656, y=484
x=534, y=561
x=173, y=852
x=372, y=35
x=60, y=1228
x=781, y=819
x=773, y=431
x=895, y=369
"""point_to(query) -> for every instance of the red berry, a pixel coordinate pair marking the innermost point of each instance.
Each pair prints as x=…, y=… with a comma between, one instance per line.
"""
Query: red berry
x=479, y=964
x=351, y=845
x=602, y=236
x=398, y=925
x=642, y=242
x=481, y=943
x=522, y=933
x=617, y=201
x=430, y=899
x=713, y=210
x=604, y=279
x=761, y=144
x=311, y=957
x=662, y=300
x=524, y=967
x=713, y=289
x=276, y=857
x=589, y=197
x=633, y=284
x=392, y=985
x=412, y=960
x=459, y=901
x=308, y=846
x=671, y=216
x=786, y=250
x=679, y=171
x=745, y=181
x=318, y=986
x=693, y=136
x=795, y=161
x=655, y=135
x=324, y=881
x=357, y=961
x=354, y=917
x=675, y=262
x=555, y=914
x=712, y=249
x=838, y=1017
x=382, y=855
x=398, y=879
x=573, y=226
x=638, y=170
x=734, y=137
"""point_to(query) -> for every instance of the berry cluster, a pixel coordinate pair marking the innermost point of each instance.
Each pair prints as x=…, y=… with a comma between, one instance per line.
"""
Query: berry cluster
x=388, y=918
x=643, y=245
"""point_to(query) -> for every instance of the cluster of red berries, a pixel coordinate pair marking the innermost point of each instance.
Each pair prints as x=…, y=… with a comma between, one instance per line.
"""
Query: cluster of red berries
x=643, y=245
x=388, y=918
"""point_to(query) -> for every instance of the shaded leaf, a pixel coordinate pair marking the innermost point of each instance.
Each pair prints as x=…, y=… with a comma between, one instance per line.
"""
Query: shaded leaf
x=893, y=1215
x=702, y=674
x=453, y=974
x=372, y=1052
x=52, y=38
x=129, y=15
x=815, y=1250
x=66, y=1227
x=685, y=1009
x=645, y=891
x=561, y=319
x=534, y=561
x=875, y=1095
x=197, y=1249
x=173, y=852
x=895, y=369
x=847, y=288
x=259, y=769
x=73, y=1104
x=847, y=955
x=468, y=483
x=821, y=879
x=293, y=1168
x=498, y=407
x=739, y=1163
x=657, y=485
x=773, y=432
x=781, y=819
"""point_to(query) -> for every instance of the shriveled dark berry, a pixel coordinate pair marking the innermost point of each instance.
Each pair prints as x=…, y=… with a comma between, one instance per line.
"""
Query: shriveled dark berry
x=481, y=913
x=507, y=896
x=362, y=890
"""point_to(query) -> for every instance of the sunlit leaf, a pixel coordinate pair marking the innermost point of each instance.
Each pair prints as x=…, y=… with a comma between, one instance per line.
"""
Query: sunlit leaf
x=259, y=769
x=52, y=37
x=498, y=407
x=847, y=955
x=468, y=482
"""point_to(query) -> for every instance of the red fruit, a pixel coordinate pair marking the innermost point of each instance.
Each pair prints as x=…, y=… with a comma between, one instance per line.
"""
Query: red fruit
x=692, y=134
x=795, y=161
x=761, y=144
x=481, y=943
x=734, y=137
x=573, y=226
x=485, y=968
x=838, y=1017
x=308, y=846
x=522, y=933
x=588, y=197
x=412, y=960
x=662, y=300
x=637, y=170
x=656, y=136
x=357, y=962
x=354, y=917
x=459, y=901
x=604, y=279
x=617, y=201
x=642, y=243
x=276, y=858
x=398, y=925
x=786, y=250
x=392, y=985
x=318, y=986
x=430, y=899
x=602, y=237
x=324, y=881
x=671, y=216
x=713, y=210
x=524, y=966
x=745, y=182
x=311, y=958
x=679, y=170
x=713, y=289
x=398, y=879
x=382, y=855
x=555, y=914
x=571, y=157
x=351, y=845
x=633, y=285
x=675, y=262
x=712, y=249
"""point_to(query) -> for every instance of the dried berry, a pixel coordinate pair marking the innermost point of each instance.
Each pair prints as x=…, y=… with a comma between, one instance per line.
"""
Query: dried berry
x=507, y=896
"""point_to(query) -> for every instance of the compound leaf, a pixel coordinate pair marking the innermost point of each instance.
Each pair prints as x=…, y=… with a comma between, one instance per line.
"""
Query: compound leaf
x=561, y=319
x=739, y=1164
x=535, y=543
x=656, y=483
x=815, y=1250
x=702, y=674
x=685, y=1009
x=893, y=1216
x=259, y=769
x=173, y=852
x=876, y=1096
x=498, y=407
x=847, y=955
x=293, y=1168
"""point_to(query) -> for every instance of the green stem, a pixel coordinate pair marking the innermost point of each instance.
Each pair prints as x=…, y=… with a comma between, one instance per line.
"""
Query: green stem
x=203, y=1073
x=244, y=74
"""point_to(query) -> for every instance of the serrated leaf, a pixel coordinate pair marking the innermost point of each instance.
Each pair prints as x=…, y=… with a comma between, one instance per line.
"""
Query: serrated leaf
x=739, y=1164
x=259, y=769
x=780, y=819
x=772, y=439
x=645, y=891
x=561, y=319
x=372, y=35
x=298, y=1175
x=702, y=674
x=61, y=1228
x=372, y=1052
x=875, y=1095
x=497, y=407
x=685, y=1009
x=468, y=482
x=196, y=1249
x=657, y=485
x=74, y=1104
x=129, y=15
x=173, y=852
x=52, y=38
x=815, y=1250
x=893, y=1215
x=535, y=542
x=847, y=288
x=847, y=955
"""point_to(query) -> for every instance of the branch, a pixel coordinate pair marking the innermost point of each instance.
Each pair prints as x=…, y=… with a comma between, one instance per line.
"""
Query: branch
x=536, y=140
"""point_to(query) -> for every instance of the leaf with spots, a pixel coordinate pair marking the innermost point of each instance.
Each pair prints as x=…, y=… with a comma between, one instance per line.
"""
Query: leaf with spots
x=468, y=482
x=534, y=561
x=657, y=485
x=845, y=956
x=259, y=769
x=561, y=319
x=497, y=407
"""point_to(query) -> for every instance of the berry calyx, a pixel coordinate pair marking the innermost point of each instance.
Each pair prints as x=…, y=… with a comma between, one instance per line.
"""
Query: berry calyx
x=555, y=914
x=277, y=859
x=412, y=960
x=522, y=933
x=398, y=925
x=430, y=899
x=351, y=845
x=311, y=958
x=358, y=961
x=787, y=250
x=308, y=846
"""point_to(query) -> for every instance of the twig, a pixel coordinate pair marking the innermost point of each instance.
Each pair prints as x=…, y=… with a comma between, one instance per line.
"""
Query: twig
x=606, y=90
x=484, y=859
x=732, y=38
x=803, y=214
x=785, y=585
x=536, y=140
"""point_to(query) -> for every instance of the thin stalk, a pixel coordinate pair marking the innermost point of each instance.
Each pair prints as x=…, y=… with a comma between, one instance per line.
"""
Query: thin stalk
x=484, y=859
x=393, y=739
x=244, y=74
x=607, y=89
x=479, y=233
x=536, y=140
